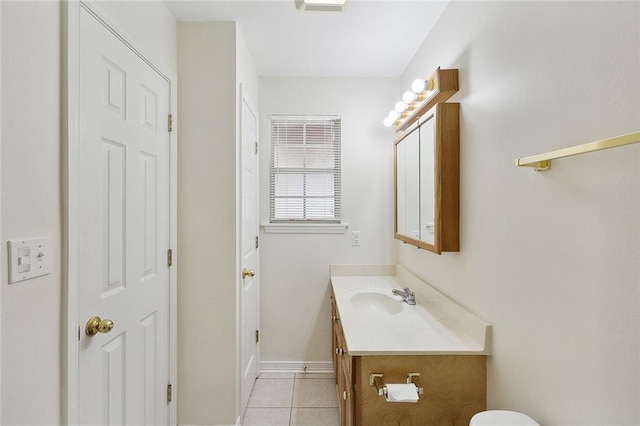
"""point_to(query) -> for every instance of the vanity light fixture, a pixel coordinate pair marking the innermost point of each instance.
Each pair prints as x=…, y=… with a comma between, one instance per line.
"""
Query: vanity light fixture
x=411, y=99
x=419, y=86
x=320, y=5
x=401, y=107
x=423, y=96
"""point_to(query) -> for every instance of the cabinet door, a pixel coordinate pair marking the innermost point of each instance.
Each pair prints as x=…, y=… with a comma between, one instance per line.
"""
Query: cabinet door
x=349, y=397
x=334, y=336
x=346, y=395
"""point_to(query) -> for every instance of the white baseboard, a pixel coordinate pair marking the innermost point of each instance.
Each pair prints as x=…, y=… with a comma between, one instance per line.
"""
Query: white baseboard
x=237, y=423
x=296, y=367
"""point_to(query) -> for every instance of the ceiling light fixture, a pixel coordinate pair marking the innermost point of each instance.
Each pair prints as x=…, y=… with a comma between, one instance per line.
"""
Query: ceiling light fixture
x=320, y=5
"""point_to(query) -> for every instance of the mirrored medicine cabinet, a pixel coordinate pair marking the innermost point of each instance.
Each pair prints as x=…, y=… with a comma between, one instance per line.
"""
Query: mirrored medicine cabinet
x=427, y=176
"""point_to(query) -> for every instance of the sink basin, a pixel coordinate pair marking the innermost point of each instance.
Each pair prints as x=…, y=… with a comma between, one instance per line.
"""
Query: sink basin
x=376, y=303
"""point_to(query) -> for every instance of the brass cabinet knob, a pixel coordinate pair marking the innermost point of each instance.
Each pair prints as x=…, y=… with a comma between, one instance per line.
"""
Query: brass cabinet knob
x=345, y=395
x=97, y=325
x=247, y=273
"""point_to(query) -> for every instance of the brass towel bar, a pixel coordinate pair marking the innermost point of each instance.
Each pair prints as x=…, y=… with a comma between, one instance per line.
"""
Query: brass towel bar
x=542, y=162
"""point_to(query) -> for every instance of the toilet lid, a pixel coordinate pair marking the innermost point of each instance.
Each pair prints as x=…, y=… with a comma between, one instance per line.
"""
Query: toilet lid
x=502, y=418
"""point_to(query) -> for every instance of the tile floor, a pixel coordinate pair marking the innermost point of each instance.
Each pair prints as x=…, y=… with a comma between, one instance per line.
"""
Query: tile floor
x=292, y=400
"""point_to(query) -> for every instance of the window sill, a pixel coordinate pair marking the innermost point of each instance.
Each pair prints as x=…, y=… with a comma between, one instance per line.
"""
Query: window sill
x=305, y=228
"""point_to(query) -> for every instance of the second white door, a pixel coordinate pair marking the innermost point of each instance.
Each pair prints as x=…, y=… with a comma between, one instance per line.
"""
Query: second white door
x=249, y=299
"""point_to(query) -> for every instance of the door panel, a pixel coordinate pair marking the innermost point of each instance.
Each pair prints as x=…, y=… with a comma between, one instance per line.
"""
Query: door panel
x=123, y=227
x=113, y=368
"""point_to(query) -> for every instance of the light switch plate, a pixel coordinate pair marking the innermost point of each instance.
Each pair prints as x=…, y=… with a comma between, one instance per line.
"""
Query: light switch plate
x=28, y=259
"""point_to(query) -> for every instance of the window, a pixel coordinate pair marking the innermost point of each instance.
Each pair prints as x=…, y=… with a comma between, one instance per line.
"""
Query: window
x=305, y=169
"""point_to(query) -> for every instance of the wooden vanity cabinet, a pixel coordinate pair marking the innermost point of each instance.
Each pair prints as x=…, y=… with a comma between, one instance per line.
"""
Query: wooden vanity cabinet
x=343, y=370
x=454, y=386
x=454, y=389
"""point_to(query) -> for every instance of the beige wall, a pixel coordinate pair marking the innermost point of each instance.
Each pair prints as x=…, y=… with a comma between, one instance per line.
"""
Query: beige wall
x=213, y=61
x=31, y=195
x=206, y=221
x=31, y=207
x=295, y=267
x=550, y=258
x=1, y=267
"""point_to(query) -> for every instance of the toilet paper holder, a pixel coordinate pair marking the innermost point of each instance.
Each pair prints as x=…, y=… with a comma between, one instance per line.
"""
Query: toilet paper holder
x=377, y=380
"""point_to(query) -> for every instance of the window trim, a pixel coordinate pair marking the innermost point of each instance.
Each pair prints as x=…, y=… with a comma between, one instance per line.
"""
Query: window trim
x=324, y=225
x=305, y=228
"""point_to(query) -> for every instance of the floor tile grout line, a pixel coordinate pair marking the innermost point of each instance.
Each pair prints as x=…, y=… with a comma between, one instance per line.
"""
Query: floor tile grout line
x=292, y=396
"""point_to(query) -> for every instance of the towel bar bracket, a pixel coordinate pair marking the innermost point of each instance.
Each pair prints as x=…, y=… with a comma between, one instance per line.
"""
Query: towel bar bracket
x=376, y=379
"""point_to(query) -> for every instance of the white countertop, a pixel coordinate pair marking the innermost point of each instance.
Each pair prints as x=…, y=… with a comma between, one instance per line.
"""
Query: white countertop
x=378, y=323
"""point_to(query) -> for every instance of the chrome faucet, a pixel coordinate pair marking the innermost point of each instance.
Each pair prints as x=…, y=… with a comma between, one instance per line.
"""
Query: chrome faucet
x=407, y=295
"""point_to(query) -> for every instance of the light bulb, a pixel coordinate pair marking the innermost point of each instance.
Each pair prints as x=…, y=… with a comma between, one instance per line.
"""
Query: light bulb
x=408, y=97
x=393, y=115
x=387, y=122
x=418, y=86
x=401, y=106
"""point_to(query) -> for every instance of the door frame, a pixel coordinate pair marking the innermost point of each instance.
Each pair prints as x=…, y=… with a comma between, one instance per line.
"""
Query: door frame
x=70, y=175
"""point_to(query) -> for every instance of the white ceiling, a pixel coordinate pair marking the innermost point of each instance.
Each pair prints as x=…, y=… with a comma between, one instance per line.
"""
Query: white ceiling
x=369, y=38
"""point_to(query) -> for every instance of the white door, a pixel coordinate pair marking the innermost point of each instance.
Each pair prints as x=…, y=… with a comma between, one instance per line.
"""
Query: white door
x=123, y=228
x=249, y=347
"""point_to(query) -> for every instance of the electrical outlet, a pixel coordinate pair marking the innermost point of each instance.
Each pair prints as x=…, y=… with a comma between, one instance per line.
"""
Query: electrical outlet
x=355, y=238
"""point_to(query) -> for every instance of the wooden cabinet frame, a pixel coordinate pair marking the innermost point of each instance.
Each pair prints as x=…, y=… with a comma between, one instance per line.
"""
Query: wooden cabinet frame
x=446, y=118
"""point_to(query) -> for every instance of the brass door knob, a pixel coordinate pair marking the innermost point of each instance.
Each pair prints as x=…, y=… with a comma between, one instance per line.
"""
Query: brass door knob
x=247, y=273
x=97, y=325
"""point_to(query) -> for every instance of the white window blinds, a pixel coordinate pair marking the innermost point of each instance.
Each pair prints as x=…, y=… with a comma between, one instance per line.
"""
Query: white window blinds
x=305, y=169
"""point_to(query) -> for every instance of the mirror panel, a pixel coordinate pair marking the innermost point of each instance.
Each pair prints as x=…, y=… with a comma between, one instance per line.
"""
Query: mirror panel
x=427, y=181
x=400, y=188
x=412, y=185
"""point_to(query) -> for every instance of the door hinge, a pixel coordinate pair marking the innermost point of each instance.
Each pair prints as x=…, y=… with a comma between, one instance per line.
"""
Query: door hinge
x=257, y=242
x=169, y=257
x=257, y=336
x=256, y=147
x=169, y=393
x=170, y=122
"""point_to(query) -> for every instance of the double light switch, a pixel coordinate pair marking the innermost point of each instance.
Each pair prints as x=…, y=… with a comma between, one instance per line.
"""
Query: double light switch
x=28, y=259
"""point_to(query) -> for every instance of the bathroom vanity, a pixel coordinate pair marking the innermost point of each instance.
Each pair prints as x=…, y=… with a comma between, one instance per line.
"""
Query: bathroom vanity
x=378, y=340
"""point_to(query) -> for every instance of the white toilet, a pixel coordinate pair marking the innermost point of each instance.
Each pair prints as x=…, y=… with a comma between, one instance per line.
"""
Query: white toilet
x=501, y=418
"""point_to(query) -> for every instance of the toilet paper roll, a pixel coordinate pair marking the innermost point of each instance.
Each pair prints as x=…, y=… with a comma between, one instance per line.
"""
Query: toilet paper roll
x=400, y=392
